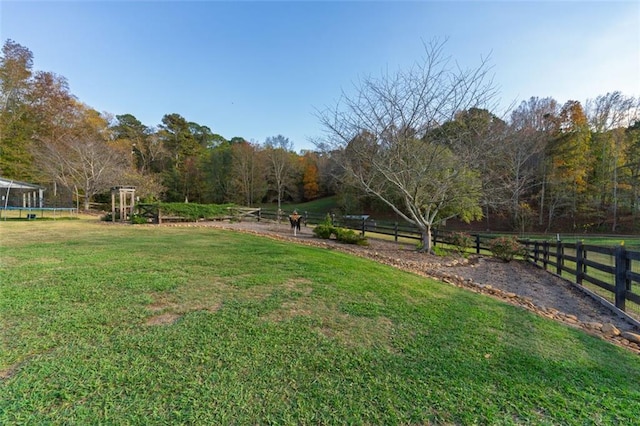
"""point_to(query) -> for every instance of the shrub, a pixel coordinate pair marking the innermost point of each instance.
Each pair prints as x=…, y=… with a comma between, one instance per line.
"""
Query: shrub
x=349, y=236
x=462, y=241
x=194, y=211
x=323, y=231
x=439, y=251
x=506, y=248
x=136, y=219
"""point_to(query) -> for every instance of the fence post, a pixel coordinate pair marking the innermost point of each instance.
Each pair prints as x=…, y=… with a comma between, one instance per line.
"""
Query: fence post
x=477, y=243
x=545, y=254
x=434, y=237
x=559, y=257
x=536, y=251
x=579, y=262
x=622, y=266
x=395, y=232
x=363, y=226
x=259, y=214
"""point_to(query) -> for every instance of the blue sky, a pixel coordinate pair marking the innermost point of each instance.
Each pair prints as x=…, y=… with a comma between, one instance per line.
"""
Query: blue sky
x=259, y=69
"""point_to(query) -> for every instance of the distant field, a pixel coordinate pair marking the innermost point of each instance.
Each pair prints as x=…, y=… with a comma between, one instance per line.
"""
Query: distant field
x=124, y=324
x=321, y=205
x=632, y=242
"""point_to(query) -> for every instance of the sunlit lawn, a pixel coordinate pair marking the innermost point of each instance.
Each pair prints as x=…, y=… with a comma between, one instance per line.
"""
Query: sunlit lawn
x=116, y=324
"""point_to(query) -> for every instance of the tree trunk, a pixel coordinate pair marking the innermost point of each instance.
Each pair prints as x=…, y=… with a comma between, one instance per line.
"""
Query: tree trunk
x=426, y=240
x=542, y=200
x=279, y=205
x=615, y=190
x=614, y=225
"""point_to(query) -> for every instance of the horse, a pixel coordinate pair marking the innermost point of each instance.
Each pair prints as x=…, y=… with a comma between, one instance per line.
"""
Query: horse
x=295, y=220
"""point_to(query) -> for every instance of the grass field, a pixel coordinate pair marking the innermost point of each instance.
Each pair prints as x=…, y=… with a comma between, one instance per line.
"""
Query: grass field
x=112, y=324
x=320, y=205
x=630, y=242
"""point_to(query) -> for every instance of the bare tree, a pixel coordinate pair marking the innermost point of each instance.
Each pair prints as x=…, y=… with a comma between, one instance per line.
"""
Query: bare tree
x=521, y=154
x=278, y=153
x=83, y=161
x=387, y=130
x=84, y=164
x=247, y=175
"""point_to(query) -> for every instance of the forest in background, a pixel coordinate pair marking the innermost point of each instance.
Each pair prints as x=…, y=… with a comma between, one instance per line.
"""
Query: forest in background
x=546, y=166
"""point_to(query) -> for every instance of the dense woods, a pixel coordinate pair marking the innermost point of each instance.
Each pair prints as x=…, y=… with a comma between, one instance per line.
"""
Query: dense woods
x=545, y=165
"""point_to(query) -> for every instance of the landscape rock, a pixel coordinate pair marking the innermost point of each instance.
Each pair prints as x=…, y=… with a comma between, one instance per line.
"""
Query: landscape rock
x=593, y=325
x=610, y=330
x=632, y=337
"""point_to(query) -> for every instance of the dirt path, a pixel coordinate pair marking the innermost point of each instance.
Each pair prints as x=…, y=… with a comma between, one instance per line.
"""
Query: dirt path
x=516, y=282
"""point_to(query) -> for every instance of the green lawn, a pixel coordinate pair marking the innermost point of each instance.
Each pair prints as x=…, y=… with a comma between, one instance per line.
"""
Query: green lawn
x=630, y=242
x=319, y=206
x=111, y=324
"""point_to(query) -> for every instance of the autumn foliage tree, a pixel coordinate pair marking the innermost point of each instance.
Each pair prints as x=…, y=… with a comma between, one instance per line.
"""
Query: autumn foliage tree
x=16, y=126
x=570, y=160
x=311, y=188
x=83, y=161
x=423, y=142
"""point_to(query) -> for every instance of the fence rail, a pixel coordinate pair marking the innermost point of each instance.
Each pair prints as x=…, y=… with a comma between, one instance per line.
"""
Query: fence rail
x=611, y=273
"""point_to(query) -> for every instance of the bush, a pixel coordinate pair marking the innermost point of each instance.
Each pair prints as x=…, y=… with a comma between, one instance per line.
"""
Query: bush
x=438, y=251
x=136, y=219
x=323, y=231
x=349, y=236
x=194, y=211
x=506, y=248
x=462, y=241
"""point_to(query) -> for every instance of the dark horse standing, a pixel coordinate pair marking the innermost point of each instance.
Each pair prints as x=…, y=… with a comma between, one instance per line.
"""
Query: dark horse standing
x=295, y=220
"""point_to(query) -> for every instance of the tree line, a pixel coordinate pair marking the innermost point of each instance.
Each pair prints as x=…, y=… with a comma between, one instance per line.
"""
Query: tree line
x=50, y=137
x=424, y=142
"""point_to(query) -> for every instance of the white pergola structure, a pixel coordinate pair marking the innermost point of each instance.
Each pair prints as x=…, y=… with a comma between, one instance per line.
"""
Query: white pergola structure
x=32, y=195
x=125, y=202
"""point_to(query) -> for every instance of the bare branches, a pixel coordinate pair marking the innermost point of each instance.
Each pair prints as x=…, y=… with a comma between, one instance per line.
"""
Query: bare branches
x=395, y=146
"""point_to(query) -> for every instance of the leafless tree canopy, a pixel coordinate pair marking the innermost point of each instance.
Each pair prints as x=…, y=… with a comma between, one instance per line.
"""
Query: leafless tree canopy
x=278, y=151
x=83, y=162
x=394, y=146
x=409, y=103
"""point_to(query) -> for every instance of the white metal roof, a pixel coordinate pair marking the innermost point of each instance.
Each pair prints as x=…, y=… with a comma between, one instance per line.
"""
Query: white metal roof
x=15, y=184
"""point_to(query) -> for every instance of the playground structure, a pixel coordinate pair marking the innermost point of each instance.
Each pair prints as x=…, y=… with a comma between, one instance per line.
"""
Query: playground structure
x=32, y=195
x=22, y=197
x=125, y=204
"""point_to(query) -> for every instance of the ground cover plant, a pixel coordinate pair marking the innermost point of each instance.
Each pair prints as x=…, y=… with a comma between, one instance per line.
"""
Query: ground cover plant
x=195, y=211
x=104, y=323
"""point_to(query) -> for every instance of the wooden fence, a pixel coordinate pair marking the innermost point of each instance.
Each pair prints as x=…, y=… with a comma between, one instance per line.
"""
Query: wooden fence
x=611, y=273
